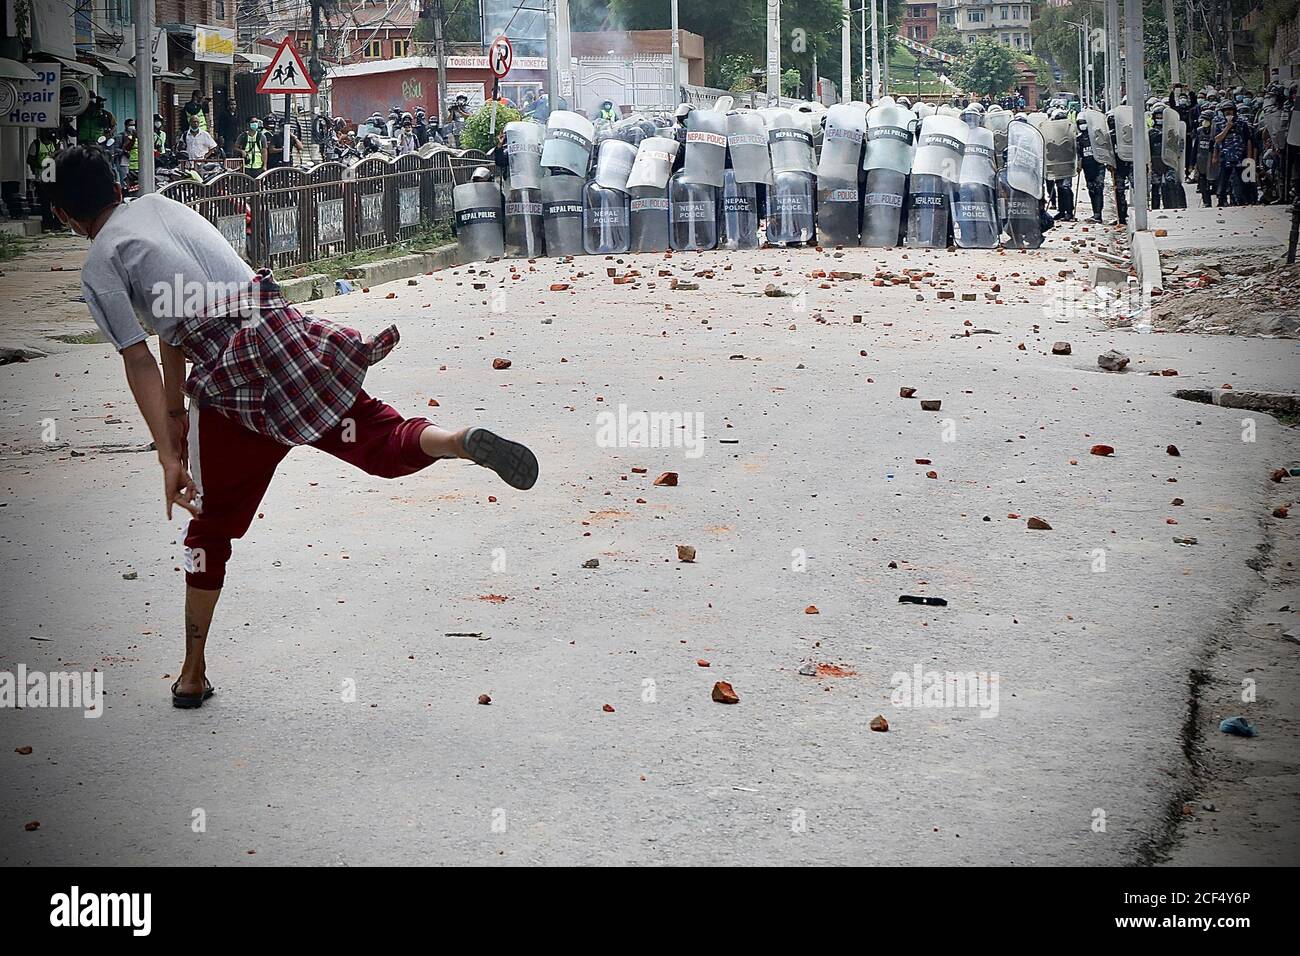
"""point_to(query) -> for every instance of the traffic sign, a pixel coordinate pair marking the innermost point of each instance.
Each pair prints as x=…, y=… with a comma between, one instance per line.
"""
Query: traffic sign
x=286, y=72
x=500, y=55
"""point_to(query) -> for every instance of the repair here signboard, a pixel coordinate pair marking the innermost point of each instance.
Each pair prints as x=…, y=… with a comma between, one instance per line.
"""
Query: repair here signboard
x=35, y=102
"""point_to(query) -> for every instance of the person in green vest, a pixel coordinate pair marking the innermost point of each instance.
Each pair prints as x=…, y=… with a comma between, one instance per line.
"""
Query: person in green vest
x=159, y=136
x=197, y=106
x=131, y=146
x=252, y=147
x=40, y=159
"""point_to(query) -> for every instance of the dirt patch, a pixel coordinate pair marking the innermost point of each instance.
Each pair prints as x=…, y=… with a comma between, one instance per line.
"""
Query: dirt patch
x=1230, y=296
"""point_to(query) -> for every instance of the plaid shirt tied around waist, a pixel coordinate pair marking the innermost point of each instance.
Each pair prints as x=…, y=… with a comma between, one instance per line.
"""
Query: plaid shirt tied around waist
x=289, y=376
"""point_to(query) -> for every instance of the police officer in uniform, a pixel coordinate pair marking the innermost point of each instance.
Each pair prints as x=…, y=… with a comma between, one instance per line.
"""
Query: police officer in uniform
x=1094, y=173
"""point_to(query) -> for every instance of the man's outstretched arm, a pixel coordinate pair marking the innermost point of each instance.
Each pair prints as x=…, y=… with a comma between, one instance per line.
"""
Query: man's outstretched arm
x=147, y=387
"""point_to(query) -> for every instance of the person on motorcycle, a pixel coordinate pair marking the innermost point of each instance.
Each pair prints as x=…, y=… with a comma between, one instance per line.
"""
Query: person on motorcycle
x=252, y=147
x=198, y=142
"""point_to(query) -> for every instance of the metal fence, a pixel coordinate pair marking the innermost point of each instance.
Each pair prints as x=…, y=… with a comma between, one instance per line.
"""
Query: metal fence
x=289, y=216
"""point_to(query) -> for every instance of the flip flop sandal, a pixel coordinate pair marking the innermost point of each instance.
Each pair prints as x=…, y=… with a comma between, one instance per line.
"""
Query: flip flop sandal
x=513, y=462
x=189, y=701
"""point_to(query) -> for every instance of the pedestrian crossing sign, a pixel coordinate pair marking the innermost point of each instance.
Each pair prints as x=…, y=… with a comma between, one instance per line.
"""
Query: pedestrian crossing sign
x=286, y=72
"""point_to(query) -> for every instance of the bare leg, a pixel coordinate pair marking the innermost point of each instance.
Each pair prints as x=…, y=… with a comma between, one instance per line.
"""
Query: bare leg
x=439, y=443
x=199, y=605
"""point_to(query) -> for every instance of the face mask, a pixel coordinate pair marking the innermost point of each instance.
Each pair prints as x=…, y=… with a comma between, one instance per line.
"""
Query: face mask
x=254, y=126
x=131, y=130
x=157, y=125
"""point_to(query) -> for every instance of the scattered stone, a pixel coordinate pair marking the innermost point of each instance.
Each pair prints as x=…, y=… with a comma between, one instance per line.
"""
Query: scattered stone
x=928, y=601
x=129, y=575
x=484, y=699
x=1177, y=502
x=811, y=609
x=1060, y=348
x=1281, y=511
x=31, y=825
x=1038, y=524
x=702, y=663
x=1113, y=361
x=808, y=669
x=775, y=291
x=685, y=553
x=723, y=693
x=1188, y=542
x=1103, y=451
x=500, y=363
x=931, y=404
x=591, y=563
x=668, y=479
x=607, y=708
x=879, y=724
x=1173, y=450
x=23, y=750
x=906, y=392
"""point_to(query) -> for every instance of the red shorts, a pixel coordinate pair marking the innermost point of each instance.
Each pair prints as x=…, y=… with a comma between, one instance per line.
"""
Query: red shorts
x=232, y=467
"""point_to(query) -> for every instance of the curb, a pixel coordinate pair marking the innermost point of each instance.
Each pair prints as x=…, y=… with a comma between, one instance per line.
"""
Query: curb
x=1146, y=261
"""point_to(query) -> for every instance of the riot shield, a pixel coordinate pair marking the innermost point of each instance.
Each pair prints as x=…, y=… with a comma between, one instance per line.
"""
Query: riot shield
x=706, y=147
x=1036, y=119
x=996, y=121
x=922, y=110
x=562, y=214
x=478, y=220
x=939, y=147
x=1059, y=155
x=605, y=218
x=1123, y=133
x=974, y=211
x=653, y=164
x=1293, y=131
x=649, y=219
x=1103, y=150
x=524, y=152
x=693, y=210
x=790, y=140
x=1024, y=227
x=839, y=213
x=1173, y=148
x=738, y=213
x=972, y=117
x=524, y=235
x=889, y=139
x=1025, y=159
x=747, y=141
x=841, y=148
x=790, y=208
x=614, y=164
x=568, y=142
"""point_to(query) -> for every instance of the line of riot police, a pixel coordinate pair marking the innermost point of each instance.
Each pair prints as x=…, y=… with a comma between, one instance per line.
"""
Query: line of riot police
x=847, y=175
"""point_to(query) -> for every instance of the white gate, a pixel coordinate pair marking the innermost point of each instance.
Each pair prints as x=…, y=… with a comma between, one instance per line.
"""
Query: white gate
x=642, y=82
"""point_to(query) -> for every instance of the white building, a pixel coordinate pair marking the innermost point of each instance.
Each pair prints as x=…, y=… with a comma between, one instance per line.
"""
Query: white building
x=1007, y=23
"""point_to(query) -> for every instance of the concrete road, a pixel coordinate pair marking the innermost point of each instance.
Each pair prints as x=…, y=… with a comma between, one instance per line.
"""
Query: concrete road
x=804, y=491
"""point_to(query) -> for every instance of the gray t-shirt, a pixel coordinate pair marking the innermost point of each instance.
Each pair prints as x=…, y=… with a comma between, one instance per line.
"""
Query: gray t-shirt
x=154, y=262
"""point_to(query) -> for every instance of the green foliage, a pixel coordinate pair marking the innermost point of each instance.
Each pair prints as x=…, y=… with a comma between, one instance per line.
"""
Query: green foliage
x=948, y=40
x=475, y=135
x=987, y=68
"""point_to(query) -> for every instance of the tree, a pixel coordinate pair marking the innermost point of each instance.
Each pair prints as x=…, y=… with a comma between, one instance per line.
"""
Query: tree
x=948, y=40
x=476, y=133
x=987, y=68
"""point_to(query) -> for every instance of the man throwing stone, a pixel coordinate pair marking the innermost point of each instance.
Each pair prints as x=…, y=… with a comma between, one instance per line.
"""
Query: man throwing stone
x=264, y=378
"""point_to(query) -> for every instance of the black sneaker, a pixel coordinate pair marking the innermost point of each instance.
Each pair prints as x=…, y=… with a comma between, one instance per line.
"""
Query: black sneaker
x=514, y=463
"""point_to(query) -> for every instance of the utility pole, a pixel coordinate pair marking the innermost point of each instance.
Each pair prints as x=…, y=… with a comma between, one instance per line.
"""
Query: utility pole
x=564, y=49
x=677, y=54
x=552, y=59
x=846, y=54
x=144, y=98
x=862, y=22
x=440, y=51
x=1137, y=107
x=884, y=36
x=314, y=70
x=1112, y=53
x=1172, y=27
x=773, y=52
x=875, y=55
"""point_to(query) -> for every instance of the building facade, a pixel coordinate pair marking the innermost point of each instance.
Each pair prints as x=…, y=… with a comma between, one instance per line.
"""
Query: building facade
x=920, y=21
x=1007, y=23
